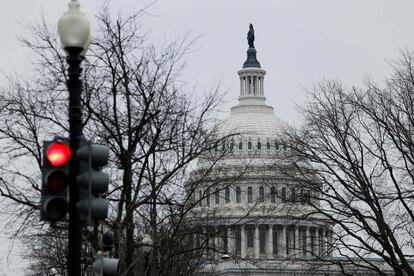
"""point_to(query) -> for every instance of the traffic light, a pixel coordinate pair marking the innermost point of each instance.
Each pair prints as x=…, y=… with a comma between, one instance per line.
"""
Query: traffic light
x=92, y=182
x=55, y=180
x=104, y=265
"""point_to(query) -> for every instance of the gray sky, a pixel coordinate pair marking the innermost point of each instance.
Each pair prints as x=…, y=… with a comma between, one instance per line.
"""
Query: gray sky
x=299, y=42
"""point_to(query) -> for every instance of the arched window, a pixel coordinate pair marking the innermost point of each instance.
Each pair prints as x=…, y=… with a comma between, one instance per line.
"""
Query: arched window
x=227, y=195
x=238, y=195
x=223, y=146
x=208, y=196
x=261, y=194
x=249, y=145
x=240, y=145
x=217, y=196
x=302, y=197
x=273, y=194
x=268, y=145
x=200, y=197
x=283, y=195
x=306, y=197
x=293, y=195
x=231, y=145
x=276, y=145
x=259, y=145
x=284, y=146
x=249, y=195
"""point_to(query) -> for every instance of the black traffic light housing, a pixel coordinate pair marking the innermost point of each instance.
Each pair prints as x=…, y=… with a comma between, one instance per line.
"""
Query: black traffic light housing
x=55, y=180
x=104, y=264
x=92, y=182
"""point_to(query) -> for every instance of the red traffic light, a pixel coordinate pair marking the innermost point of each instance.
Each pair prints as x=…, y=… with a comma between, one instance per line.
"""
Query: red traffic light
x=58, y=154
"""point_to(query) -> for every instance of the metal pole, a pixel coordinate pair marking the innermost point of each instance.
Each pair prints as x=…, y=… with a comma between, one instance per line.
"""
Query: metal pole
x=75, y=132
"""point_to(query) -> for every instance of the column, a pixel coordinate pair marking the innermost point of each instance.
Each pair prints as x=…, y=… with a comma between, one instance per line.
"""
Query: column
x=243, y=242
x=308, y=240
x=241, y=86
x=262, y=85
x=297, y=247
x=230, y=242
x=218, y=241
x=320, y=251
x=330, y=241
x=323, y=242
x=283, y=242
x=270, y=242
x=254, y=84
x=256, y=241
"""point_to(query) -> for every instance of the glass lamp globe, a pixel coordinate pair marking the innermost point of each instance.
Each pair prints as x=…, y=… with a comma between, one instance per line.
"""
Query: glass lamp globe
x=73, y=28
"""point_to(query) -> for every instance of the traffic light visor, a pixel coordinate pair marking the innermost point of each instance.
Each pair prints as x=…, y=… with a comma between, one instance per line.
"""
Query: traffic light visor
x=58, y=154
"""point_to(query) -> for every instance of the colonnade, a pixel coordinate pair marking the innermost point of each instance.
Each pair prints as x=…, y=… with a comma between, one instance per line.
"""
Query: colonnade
x=270, y=241
x=251, y=85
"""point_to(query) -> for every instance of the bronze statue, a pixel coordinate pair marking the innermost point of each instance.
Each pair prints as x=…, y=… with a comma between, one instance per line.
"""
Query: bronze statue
x=250, y=36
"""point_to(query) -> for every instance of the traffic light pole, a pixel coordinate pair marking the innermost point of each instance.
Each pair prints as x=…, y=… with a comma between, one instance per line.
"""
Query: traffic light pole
x=75, y=133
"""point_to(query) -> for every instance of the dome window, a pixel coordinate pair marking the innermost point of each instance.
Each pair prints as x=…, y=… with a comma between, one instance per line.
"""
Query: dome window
x=268, y=145
x=283, y=195
x=200, y=197
x=293, y=195
x=306, y=197
x=261, y=194
x=227, y=195
x=249, y=145
x=217, y=196
x=249, y=195
x=208, y=197
x=276, y=145
x=273, y=194
x=238, y=195
x=302, y=197
x=240, y=146
x=231, y=145
x=259, y=145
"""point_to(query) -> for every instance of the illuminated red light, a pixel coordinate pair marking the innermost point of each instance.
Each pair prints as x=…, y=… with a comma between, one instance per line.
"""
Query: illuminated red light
x=58, y=154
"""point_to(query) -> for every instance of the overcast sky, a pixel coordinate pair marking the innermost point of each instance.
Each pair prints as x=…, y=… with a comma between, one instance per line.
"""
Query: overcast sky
x=299, y=42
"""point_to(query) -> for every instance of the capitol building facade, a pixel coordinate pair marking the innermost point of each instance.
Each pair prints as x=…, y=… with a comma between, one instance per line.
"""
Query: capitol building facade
x=259, y=222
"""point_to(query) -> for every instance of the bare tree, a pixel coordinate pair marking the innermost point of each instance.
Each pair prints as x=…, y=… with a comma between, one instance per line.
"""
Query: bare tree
x=134, y=102
x=355, y=152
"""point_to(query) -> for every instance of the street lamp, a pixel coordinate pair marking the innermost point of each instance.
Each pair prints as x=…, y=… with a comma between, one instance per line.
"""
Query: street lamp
x=73, y=28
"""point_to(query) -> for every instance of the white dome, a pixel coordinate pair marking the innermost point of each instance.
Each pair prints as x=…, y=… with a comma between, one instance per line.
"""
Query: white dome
x=253, y=121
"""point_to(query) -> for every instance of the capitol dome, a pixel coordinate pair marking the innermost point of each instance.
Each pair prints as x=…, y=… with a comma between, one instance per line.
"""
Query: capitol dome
x=251, y=130
x=245, y=204
x=252, y=125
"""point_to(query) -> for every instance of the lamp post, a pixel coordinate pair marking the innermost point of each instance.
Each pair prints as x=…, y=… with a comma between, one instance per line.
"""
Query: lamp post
x=147, y=248
x=74, y=34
